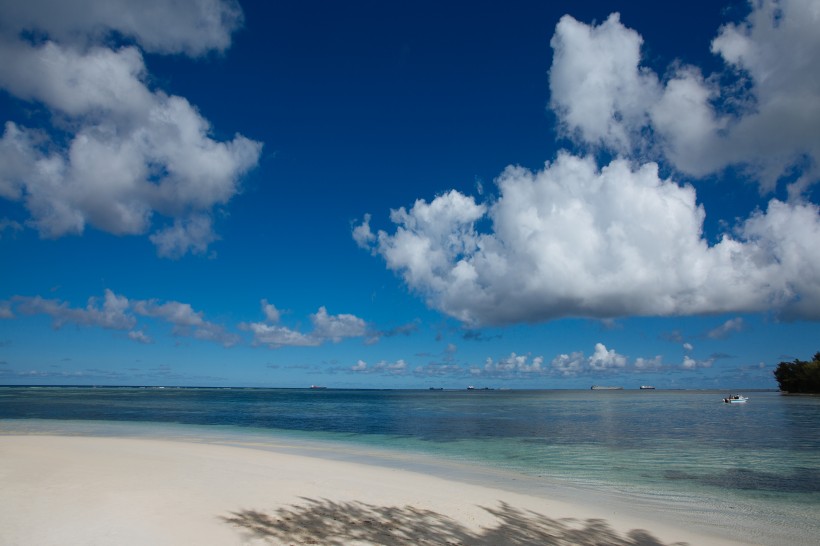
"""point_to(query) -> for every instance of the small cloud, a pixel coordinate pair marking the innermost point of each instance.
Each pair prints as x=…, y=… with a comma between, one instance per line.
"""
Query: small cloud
x=278, y=336
x=602, y=359
x=272, y=314
x=649, y=363
x=515, y=365
x=690, y=363
x=337, y=327
x=727, y=328
x=569, y=364
x=326, y=328
x=383, y=367
x=611, y=324
x=362, y=234
x=112, y=313
x=192, y=234
x=186, y=321
x=139, y=336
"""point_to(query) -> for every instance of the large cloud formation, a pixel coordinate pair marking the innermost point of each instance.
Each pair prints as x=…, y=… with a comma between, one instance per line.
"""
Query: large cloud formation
x=603, y=96
x=115, y=152
x=576, y=239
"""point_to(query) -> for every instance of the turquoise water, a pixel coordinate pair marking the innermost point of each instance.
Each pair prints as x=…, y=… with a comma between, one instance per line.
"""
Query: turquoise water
x=755, y=466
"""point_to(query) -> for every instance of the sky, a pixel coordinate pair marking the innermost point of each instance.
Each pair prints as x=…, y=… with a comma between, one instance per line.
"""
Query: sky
x=524, y=195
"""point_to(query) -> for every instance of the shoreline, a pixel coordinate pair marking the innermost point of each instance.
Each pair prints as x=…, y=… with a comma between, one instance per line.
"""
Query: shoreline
x=125, y=490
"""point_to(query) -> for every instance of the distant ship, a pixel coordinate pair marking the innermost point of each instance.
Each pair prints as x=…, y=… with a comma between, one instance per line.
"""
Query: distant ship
x=602, y=388
x=647, y=387
x=317, y=387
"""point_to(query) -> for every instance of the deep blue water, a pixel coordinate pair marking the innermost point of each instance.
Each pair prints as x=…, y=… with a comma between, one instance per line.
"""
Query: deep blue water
x=614, y=419
x=763, y=457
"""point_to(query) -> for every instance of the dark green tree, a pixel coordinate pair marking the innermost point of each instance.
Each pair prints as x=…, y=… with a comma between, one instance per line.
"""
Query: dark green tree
x=799, y=376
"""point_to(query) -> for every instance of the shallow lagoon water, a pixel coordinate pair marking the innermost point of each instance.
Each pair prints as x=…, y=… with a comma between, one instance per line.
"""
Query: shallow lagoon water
x=752, y=467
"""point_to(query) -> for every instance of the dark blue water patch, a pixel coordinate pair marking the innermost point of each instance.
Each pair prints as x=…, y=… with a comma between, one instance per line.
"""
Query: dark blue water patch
x=800, y=480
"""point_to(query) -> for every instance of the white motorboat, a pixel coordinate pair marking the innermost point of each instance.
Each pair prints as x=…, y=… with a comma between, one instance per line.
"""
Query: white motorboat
x=735, y=399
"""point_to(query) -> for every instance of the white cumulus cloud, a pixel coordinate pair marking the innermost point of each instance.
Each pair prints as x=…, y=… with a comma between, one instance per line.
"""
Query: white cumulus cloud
x=690, y=363
x=192, y=27
x=598, y=89
x=326, y=328
x=139, y=336
x=337, y=327
x=575, y=240
x=515, y=364
x=275, y=336
x=765, y=120
x=601, y=360
x=654, y=363
x=131, y=159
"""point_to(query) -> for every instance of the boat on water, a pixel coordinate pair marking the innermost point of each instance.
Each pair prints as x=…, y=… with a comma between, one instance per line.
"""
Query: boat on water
x=735, y=399
x=317, y=387
x=605, y=388
x=647, y=387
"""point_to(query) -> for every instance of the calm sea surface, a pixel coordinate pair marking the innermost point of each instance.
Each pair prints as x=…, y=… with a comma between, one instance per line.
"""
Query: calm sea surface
x=755, y=466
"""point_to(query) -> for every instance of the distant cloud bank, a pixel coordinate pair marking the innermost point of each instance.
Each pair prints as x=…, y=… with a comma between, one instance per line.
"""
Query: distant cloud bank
x=135, y=319
x=117, y=312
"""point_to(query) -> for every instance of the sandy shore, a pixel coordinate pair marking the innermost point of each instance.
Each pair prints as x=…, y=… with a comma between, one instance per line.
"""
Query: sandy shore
x=70, y=490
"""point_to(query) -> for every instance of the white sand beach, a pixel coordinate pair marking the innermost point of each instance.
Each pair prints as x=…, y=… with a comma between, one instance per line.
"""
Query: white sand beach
x=72, y=490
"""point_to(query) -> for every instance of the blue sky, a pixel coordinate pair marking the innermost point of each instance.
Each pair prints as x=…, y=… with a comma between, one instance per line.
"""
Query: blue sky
x=408, y=194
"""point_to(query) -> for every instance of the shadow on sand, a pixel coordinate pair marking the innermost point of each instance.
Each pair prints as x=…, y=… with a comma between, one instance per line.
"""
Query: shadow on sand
x=339, y=523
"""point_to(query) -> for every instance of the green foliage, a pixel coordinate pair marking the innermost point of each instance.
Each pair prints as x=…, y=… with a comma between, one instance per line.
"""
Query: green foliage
x=799, y=376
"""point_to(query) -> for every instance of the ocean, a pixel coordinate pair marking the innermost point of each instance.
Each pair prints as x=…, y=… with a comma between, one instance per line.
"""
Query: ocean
x=752, y=469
